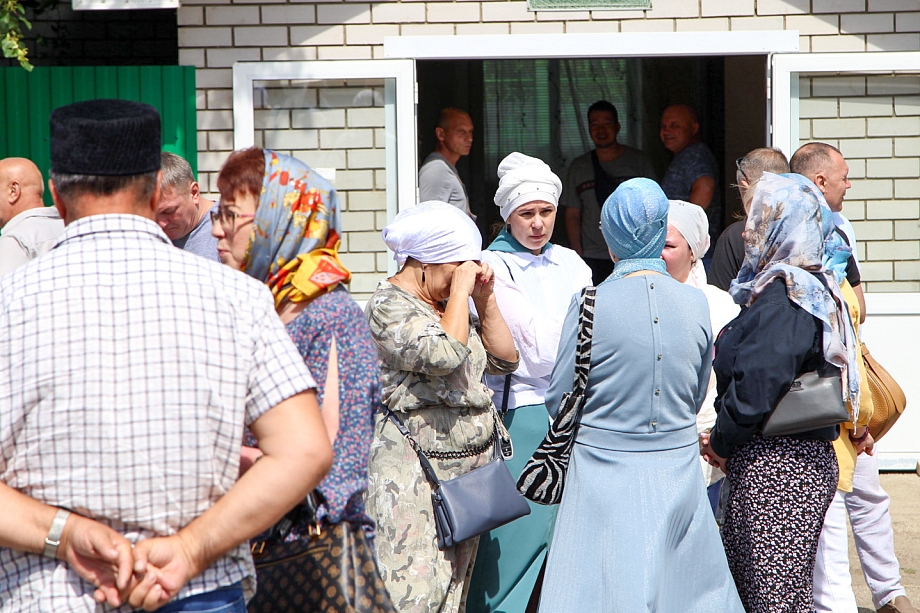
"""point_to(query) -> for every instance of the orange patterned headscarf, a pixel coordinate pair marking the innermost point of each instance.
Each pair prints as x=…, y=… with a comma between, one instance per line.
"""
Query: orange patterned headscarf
x=295, y=233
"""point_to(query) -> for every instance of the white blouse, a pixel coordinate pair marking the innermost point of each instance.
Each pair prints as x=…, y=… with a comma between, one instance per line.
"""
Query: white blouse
x=533, y=293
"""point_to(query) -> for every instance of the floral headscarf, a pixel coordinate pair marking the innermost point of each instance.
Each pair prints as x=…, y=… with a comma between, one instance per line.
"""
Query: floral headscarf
x=295, y=233
x=784, y=236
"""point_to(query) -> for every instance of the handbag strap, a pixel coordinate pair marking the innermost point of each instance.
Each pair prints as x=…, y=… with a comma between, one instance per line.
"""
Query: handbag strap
x=427, y=468
x=585, y=338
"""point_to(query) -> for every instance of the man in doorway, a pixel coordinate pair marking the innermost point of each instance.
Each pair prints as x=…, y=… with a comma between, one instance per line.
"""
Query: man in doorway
x=131, y=370
x=867, y=504
x=29, y=227
x=691, y=175
x=591, y=178
x=438, y=178
x=728, y=254
x=183, y=213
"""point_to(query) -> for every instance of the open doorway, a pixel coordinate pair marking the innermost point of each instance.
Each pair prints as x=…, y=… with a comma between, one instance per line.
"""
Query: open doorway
x=538, y=107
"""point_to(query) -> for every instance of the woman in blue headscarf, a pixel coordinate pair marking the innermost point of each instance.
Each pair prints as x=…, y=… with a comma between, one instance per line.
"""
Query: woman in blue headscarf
x=793, y=320
x=634, y=530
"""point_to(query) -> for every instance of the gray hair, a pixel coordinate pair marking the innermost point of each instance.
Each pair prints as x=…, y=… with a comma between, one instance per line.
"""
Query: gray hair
x=756, y=162
x=70, y=186
x=177, y=173
x=812, y=158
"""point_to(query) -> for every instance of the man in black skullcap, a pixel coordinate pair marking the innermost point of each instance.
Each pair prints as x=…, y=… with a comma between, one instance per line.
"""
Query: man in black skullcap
x=130, y=370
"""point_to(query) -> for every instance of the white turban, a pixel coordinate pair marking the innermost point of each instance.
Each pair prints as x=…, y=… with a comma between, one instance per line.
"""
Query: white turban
x=524, y=179
x=433, y=233
x=690, y=220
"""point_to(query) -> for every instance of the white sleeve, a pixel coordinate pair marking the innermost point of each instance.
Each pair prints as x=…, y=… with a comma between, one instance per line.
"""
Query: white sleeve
x=12, y=256
x=535, y=332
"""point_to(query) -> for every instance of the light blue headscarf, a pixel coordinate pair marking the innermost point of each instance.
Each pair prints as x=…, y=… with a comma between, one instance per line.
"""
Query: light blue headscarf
x=634, y=221
x=785, y=234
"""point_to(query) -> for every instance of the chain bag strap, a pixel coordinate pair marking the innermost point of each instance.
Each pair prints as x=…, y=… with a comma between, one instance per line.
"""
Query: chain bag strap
x=543, y=477
x=473, y=503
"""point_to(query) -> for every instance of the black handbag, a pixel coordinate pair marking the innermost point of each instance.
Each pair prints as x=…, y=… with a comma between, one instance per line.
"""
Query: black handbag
x=543, y=477
x=473, y=503
x=814, y=400
x=332, y=571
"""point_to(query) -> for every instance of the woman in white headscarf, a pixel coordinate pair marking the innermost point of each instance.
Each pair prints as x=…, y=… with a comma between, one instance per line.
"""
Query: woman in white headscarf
x=684, y=246
x=433, y=355
x=534, y=283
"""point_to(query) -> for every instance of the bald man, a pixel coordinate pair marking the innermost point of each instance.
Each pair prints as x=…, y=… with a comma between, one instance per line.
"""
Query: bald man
x=438, y=178
x=29, y=228
x=691, y=175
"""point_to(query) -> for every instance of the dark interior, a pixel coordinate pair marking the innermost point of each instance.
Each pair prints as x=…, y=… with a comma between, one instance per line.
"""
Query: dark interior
x=538, y=106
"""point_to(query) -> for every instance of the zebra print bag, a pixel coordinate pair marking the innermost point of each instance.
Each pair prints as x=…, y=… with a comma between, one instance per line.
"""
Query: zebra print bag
x=544, y=475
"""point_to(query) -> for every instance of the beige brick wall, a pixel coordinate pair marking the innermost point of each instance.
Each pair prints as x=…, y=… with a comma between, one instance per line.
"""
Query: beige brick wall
x=881, y=132
x=340, y=125
x=875, y=122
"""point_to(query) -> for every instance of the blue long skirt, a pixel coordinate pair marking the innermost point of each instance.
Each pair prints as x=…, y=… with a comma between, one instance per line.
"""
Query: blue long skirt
x=510, y=558
x=635, y=534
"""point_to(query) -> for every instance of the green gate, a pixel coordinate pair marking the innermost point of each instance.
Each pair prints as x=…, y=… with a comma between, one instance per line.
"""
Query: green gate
x=27, y=99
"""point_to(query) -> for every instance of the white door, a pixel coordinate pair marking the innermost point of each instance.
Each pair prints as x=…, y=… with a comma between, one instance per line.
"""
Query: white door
x=868, y=105
x=351, y=121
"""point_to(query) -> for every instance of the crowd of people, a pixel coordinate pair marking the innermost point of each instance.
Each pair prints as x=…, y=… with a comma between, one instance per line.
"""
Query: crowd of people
x=159, y=409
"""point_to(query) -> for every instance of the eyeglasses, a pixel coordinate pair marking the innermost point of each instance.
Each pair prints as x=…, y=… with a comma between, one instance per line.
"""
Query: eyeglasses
x=741, y=170
x=227, y=218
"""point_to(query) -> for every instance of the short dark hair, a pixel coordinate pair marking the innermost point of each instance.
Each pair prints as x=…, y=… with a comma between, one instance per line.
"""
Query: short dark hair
x=445, y=115
x=604, y=107
x=812, y=158
x=242, y=173
x=70, y=187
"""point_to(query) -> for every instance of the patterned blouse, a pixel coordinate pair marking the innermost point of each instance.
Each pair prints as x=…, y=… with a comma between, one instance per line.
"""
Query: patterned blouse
x=336, y=315
x=425, y=371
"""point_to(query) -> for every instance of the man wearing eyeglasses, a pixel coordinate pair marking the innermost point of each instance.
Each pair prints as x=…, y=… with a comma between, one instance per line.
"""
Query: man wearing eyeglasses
x=183, y=212
x=130, y=370
x=728, y=254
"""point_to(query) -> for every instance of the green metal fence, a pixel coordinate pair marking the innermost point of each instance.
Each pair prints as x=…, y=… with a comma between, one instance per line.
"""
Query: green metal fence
x=27, y=99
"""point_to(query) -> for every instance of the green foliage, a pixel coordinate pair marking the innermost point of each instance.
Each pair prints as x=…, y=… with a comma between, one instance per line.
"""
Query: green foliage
x=12, y=20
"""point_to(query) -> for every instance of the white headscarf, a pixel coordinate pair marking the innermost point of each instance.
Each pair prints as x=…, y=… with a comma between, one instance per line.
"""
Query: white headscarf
x=524, y=179
x=433, y=233
x=690, y=220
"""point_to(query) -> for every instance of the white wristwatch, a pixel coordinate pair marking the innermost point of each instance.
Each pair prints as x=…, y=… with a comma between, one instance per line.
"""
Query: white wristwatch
x=53, y=540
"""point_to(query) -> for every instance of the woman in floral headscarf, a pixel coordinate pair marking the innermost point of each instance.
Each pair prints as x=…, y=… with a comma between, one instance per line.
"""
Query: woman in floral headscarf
x=793, y=321
x=279, y=222
x=634, y=530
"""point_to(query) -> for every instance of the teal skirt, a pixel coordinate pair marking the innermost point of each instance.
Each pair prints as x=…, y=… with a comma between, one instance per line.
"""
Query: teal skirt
x=510, y=558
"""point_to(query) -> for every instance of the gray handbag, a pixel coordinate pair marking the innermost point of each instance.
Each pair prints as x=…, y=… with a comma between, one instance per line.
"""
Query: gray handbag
x=473, y=503
x=814, y=400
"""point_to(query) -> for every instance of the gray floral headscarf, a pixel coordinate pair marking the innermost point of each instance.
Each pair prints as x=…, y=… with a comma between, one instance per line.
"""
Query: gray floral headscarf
x=785, y=236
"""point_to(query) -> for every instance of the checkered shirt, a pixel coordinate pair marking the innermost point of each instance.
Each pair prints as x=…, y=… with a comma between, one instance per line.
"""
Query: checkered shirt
x=128, y=370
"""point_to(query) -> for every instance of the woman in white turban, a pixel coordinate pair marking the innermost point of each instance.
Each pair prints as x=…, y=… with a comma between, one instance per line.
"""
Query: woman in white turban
x=534, y=283
x=685, y=244
x=432, y=358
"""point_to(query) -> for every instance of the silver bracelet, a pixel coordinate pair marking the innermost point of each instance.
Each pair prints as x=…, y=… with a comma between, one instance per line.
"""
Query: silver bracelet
x=53, y=540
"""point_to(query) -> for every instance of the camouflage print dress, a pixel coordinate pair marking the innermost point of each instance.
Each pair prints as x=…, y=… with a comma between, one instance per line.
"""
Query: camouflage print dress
x=434, y=384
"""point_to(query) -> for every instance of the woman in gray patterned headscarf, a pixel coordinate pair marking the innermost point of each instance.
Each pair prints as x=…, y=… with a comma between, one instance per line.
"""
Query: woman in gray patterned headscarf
x=433, y=355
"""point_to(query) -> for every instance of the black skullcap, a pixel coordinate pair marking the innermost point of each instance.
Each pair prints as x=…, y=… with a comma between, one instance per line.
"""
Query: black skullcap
x=105, y=138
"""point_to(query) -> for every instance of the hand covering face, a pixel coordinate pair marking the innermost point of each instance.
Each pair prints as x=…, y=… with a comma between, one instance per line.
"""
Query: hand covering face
x=634, y=222
x=690, y=220
x=433, y=233
x=296, y=232
x=524, y=179
x=785, y=236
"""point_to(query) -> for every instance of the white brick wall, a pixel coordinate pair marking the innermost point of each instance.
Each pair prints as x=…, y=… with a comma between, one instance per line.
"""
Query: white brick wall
x=875, y=120
x=882, y=147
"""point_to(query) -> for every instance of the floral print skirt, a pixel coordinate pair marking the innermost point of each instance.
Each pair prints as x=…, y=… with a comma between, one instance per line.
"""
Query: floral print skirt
x=780, y=490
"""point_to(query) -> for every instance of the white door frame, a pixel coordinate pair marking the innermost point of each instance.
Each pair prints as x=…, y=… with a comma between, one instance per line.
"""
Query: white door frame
x=892, y=317
x=399, y=98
